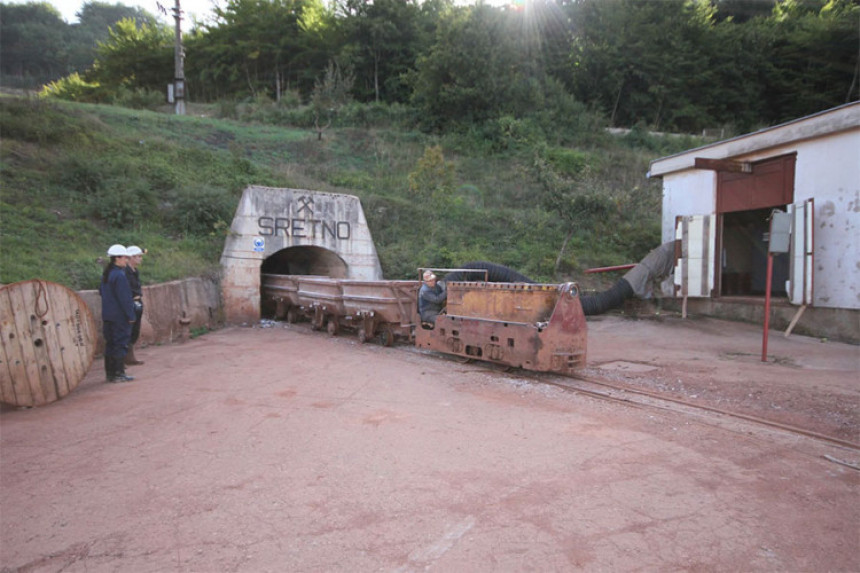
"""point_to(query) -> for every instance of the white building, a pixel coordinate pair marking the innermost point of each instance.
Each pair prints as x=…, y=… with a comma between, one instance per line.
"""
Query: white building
x=718, y=201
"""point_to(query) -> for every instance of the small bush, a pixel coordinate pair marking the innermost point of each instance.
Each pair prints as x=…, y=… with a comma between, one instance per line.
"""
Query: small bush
x=197, y=210
x=75, y=88
x=140, y=98
x=118, y=205
x=82, y=175
x=567, y=162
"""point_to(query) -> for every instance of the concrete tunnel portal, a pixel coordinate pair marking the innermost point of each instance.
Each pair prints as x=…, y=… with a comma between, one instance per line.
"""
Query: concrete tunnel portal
x=292, y=231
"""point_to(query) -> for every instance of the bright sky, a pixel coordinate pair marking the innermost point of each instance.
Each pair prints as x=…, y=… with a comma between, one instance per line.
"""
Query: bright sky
x=200, y=9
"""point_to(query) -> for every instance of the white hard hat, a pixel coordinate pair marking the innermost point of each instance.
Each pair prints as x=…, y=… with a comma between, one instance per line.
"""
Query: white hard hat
x=117, y=251
x=134, y=250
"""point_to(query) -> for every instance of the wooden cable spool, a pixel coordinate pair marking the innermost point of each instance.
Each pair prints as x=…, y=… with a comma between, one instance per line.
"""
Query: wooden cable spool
x=47, y=342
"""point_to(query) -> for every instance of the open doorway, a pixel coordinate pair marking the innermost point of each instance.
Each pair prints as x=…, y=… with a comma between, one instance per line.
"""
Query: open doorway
x=744, y=251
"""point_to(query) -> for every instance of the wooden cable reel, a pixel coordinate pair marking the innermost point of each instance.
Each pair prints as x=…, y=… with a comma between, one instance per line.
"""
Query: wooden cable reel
x=47, y=342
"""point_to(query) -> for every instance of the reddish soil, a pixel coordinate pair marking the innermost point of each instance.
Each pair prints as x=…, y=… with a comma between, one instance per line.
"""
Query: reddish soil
x=281, y=449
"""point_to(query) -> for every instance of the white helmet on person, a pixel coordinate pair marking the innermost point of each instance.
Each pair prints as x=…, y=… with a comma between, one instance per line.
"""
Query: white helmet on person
x=117, y=251
x=134, y=250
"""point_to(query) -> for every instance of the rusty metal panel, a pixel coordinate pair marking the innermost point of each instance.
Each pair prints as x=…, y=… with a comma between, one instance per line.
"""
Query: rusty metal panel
x=323, y=292
x=281, y=288
x=389, y=301
x=514, y=302
x=555, y=344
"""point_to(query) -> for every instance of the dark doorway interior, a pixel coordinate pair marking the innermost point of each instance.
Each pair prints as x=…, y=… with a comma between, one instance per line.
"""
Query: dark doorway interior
x=305, y=261
x=744, y=255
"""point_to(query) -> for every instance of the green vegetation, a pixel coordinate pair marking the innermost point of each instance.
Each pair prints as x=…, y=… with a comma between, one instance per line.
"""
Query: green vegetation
x=76, y=178
x=530, y=66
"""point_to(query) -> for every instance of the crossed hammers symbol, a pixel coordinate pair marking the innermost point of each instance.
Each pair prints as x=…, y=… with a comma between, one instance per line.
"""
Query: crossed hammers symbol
x=306, y=204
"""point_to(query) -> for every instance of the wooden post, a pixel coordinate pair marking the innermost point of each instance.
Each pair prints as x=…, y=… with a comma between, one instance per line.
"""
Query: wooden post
x=794, y=320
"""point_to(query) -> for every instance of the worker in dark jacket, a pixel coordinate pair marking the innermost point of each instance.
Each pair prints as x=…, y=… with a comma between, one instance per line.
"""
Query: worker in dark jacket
x=117, y=314
x=135, y=256
x=431, y=298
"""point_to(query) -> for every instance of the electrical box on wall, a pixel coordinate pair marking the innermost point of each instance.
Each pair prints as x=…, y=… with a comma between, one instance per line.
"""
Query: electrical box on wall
x=780, y=232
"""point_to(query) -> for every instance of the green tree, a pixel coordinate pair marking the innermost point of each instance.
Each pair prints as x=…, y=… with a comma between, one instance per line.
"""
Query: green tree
x=383, y=38
x=431, y=183
x=471, y=72
x=135, y=57
x=813, y=57
x=94, y=22
x=331, y=93
x=574, y=196
x=643, y=60
x=33, y=44
x=259, y=47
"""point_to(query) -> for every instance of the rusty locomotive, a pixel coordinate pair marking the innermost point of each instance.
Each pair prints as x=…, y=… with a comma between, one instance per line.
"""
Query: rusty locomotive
x=493, y=313
x=538, y=327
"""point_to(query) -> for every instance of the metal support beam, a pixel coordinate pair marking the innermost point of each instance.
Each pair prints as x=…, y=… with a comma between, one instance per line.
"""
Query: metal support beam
x=723, y=165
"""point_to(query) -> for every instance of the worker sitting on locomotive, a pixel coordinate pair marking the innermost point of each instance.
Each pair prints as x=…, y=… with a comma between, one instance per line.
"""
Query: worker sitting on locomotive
x=431, y=299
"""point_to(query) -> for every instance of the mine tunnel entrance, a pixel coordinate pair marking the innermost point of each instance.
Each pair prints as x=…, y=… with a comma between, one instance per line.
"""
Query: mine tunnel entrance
x=306, y=260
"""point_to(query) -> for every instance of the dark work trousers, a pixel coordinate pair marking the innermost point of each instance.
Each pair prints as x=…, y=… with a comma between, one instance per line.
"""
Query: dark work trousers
x=135, y=329
x=117, y=338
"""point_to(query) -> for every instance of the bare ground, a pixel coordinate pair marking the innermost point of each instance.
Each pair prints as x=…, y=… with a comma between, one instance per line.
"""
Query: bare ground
x=281, y=449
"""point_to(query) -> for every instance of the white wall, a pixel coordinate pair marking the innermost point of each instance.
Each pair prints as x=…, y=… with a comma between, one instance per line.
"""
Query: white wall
x=690, y=192
x=827, y=170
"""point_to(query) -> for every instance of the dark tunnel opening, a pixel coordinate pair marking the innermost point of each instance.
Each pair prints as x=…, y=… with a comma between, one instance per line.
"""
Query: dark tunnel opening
x=305, y=261
x=300, y=261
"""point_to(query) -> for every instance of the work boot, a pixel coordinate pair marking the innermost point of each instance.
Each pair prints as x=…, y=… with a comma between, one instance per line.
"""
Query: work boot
x=130, y=360
x=119, y=372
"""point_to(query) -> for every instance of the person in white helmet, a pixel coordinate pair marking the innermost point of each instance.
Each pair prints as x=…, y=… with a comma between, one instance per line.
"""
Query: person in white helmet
x=135, y=256
x=117, y=314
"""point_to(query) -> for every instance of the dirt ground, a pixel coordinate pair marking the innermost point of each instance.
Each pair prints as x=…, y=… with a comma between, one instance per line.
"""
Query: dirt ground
x=276, y=448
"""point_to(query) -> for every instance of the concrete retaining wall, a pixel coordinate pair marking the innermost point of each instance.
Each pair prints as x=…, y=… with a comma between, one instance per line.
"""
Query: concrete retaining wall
x=171, y=310
x=833, y=323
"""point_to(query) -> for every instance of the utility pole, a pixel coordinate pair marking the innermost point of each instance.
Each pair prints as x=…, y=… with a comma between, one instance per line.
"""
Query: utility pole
x=179, y=61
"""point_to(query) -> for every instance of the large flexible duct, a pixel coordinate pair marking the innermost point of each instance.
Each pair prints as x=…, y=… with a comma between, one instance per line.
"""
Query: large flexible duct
x=600, y=302
x=658, y=264
x=636, y=282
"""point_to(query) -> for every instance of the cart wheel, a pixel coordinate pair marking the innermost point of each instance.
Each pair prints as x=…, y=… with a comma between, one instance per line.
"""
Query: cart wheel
x=332, y=327
x=362, y=335
x=292, y=315
x=386, y=337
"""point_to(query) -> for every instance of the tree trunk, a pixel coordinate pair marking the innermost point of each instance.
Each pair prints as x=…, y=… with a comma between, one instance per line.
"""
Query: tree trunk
x=561, y=252
x=376, y=75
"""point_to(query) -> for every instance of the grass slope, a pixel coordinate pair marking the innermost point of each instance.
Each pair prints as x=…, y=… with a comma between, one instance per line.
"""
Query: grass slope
x=75, y=178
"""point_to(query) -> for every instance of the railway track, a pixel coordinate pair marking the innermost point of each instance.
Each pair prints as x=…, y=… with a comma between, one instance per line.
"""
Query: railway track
x=634, y=397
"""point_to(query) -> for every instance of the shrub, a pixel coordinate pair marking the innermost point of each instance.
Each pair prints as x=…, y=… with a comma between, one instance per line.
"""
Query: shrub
x=139, y=98
x=567, y=162
x=75, y=88
x=119, y=205
x=198, y=210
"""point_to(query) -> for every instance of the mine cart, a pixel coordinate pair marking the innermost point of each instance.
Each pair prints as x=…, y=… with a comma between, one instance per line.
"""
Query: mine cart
x=533, y=326
x=386, y=308
x=322, y=299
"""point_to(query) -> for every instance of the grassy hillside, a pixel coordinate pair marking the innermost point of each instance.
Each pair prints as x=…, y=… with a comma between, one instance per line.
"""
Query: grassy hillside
x=76, y=178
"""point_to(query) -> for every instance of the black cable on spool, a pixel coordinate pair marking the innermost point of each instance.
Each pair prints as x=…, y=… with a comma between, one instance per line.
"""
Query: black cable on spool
x=599, y=303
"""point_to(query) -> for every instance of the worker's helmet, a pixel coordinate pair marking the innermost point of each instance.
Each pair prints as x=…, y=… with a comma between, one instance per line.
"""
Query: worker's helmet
x=117, y=251
x=134, y=250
